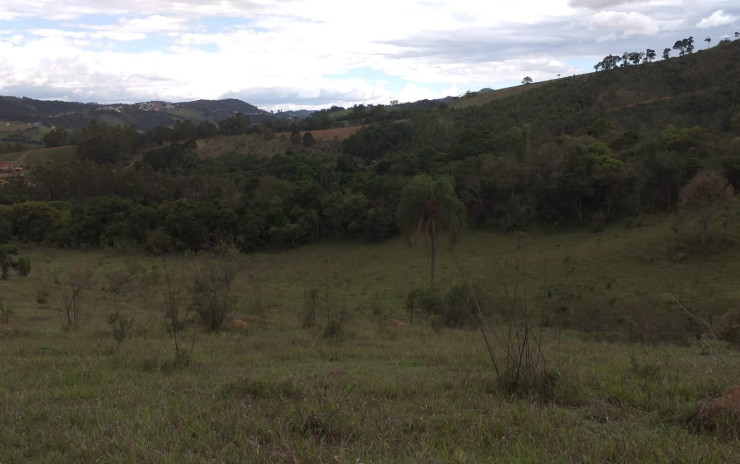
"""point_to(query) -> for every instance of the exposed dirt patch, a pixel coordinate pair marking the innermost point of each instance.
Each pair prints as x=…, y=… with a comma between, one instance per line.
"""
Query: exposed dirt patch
x=644, y=102
x=721, y=412
x=327, y=135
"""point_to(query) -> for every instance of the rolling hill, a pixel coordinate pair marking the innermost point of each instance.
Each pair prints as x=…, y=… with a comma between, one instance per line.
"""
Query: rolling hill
x=144, y=116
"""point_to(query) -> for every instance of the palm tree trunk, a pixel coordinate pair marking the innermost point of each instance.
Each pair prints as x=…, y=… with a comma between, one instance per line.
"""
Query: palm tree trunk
x=433, y=244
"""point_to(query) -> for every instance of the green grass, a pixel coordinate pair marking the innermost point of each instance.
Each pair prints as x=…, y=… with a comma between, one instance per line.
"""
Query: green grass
x=478, y=99
x=276, y=392
x=38, y=157
x=35, y=133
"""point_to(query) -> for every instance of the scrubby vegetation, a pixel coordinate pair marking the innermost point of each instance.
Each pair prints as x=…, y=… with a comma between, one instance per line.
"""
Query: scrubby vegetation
x=581, y=151
x=329, y=366
x=237, y=292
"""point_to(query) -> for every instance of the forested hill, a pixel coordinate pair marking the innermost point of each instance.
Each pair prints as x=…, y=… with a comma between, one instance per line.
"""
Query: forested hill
x=581, y=152
x=145, y=116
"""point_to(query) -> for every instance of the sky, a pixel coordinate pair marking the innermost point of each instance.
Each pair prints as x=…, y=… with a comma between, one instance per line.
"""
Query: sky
x=312, y=54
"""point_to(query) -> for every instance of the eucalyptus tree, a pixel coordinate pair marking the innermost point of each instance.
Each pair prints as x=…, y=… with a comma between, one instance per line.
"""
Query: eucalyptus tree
x=429, y=208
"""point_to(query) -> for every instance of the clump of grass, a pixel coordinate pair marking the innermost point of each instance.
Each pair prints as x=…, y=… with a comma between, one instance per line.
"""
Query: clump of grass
x=5, y=312
x=120, y=327
x=212, y=297
x=320, y=423
x=310, y=304
x=644, y=370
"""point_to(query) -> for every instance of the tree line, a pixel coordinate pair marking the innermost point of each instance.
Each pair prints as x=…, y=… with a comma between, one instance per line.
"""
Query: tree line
x=572, y=153
x=683, y=46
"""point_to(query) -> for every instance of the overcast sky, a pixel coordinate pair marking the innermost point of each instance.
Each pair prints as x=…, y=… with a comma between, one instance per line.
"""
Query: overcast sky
x=289, y=54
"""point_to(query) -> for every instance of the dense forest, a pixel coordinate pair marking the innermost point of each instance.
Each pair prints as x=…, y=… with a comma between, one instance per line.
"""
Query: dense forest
x=576, y=152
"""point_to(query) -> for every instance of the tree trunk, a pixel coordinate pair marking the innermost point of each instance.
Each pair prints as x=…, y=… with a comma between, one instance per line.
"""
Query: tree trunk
x=704, y=229
x=433, y=244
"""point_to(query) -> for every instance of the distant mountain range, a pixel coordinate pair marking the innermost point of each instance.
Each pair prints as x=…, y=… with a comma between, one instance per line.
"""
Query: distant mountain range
x=147, y=115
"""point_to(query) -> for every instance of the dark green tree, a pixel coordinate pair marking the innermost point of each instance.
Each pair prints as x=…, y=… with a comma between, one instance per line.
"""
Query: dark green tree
x=106, y=144
x=235, y=125
x=56, y=138
x=308, y=139
x=428, y=208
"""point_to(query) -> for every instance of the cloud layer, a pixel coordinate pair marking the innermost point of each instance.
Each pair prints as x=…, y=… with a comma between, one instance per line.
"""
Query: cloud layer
x=318, y=53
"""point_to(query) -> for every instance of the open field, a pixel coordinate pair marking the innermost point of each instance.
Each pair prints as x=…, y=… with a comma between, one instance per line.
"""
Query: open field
x=22, y=129
x=482, y=98
x=38, y=157
x=274, y=391
x=340, y=134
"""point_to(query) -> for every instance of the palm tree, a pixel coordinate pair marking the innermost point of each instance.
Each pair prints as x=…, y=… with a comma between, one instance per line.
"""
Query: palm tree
x=430, y=207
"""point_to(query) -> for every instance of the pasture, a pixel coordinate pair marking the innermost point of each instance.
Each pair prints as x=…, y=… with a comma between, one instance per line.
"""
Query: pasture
x=275, y=388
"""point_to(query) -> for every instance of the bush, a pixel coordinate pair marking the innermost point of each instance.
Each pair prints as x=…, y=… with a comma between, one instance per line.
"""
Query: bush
x=212, y=299
x=729, y=327
x=5, y=312
x=120, y=326
x=428, y=301
x=456, y=309
x=459, y=309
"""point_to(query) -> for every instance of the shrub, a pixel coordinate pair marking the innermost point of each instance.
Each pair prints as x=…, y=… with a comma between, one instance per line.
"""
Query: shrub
x=23, y=266
x=212, y=299
x=459, y=308
x=77, y=281
x=428, y=301
x=456, y=309
x=728, y=328
x=120, y=326
x=5, y=312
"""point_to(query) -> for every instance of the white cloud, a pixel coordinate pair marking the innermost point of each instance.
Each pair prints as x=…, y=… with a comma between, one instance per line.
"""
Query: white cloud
x=630, y=23
x=598, y=4
x=718, y=18
x=280, y=51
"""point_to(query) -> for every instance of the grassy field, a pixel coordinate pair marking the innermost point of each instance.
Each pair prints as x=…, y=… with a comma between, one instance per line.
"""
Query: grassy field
x=33, y=158
x=372, y=391
x=482, y=98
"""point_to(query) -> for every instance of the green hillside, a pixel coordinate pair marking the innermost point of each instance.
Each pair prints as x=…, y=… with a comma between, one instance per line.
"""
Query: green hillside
x=238, y=292
x=482, y=98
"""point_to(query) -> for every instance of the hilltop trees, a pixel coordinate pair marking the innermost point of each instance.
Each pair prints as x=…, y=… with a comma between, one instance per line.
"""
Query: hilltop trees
x=684, y=46
x=429, y=207
x=609, y=62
